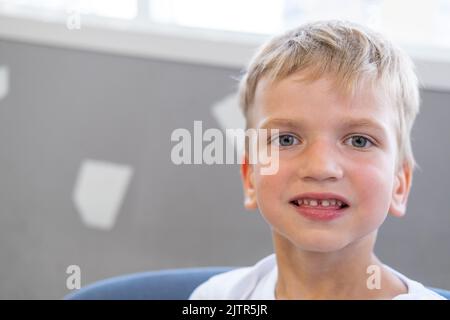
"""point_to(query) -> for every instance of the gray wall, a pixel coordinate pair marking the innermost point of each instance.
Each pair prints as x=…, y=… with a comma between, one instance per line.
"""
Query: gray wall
x=66, y=105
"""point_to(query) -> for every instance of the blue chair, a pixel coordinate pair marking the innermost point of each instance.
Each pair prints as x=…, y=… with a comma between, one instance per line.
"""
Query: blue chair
x=172, y=284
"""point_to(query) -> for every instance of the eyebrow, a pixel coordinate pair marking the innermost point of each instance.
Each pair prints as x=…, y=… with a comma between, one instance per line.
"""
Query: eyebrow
x=344, y=124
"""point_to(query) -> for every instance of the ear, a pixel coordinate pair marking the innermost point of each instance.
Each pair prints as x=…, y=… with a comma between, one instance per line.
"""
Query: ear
x=248, y=184
x=400, y=192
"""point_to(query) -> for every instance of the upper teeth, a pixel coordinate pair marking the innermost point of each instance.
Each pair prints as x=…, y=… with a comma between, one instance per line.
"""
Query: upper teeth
x=324, y=202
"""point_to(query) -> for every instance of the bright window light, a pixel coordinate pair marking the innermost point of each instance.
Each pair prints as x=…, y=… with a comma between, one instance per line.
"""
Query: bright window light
x=414, y=22
x=252, y=16
x=119, y=9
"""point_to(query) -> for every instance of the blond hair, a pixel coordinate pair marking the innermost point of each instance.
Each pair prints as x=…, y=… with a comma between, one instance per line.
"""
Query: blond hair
x=350, y=53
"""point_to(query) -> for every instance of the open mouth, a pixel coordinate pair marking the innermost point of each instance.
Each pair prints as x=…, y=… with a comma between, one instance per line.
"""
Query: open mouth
x=323, y=204
x=320, y=209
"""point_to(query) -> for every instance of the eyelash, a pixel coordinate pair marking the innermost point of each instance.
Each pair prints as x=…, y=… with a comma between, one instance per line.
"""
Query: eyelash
x=273, y=139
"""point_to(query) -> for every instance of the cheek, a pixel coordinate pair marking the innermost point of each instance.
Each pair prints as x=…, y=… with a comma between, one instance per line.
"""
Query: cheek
x=270, y=190
x=372, y=185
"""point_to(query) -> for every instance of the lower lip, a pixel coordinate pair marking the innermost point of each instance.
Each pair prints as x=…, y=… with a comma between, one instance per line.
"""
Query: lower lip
x=320, y=214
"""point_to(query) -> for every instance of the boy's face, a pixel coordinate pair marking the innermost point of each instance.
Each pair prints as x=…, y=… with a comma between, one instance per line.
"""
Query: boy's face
x=319, y=153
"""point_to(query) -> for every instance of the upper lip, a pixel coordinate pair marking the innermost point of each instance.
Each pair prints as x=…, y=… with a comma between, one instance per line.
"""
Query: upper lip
x=320, y=196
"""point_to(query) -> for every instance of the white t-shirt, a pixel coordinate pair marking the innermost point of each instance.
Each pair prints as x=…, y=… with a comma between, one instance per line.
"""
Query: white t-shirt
x=258, y=283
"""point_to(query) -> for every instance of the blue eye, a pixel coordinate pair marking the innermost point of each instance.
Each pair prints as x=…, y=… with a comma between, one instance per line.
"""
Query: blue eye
x=285, y=140
x=360, y=141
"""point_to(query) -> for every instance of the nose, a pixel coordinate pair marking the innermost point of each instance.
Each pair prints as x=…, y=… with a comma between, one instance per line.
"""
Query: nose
x=320, y=161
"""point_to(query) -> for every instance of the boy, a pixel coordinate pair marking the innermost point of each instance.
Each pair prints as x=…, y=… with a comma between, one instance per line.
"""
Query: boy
x=344, y=100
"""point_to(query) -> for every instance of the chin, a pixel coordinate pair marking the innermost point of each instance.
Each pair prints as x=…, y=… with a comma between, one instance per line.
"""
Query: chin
x=321, y=243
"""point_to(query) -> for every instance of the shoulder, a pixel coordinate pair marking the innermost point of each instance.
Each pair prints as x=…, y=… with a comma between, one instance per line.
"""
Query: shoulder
x=416, y=290
x=236, y=284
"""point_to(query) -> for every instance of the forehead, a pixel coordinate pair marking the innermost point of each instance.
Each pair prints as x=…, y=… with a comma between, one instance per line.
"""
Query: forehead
x=320, y=103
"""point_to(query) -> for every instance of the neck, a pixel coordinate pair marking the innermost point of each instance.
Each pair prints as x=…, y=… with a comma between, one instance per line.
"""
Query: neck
x=340, y=274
